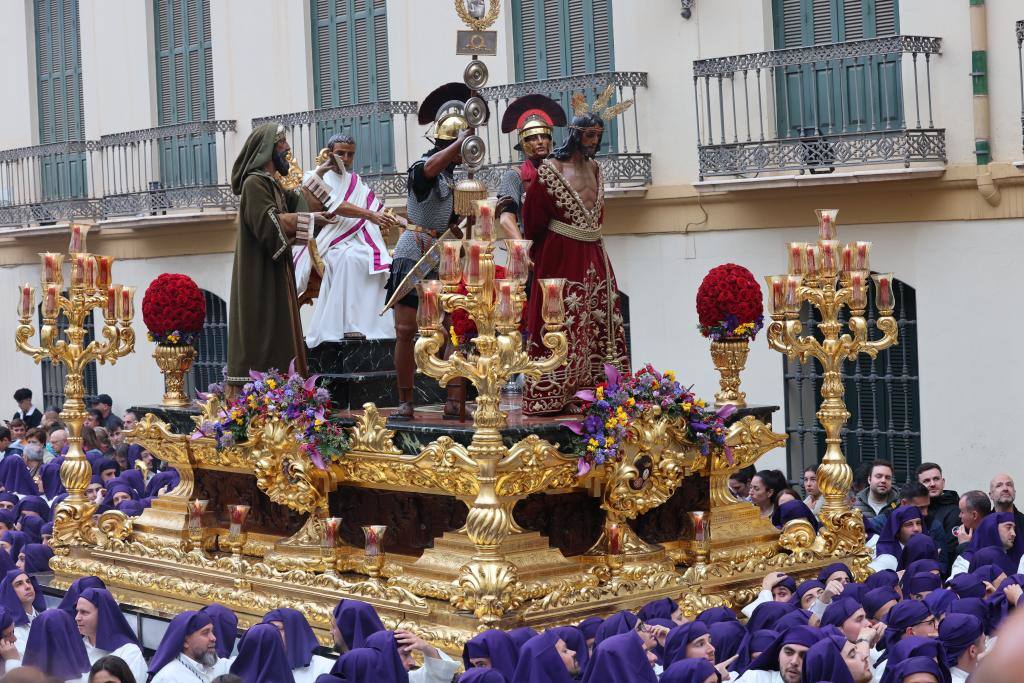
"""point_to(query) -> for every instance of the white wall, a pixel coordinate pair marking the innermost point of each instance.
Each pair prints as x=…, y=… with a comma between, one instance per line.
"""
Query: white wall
x=964, y=276
x=19, y=125
x=134, y=380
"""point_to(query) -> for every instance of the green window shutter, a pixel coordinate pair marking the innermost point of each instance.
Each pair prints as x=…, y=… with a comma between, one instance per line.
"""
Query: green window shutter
x=59, y=96
x=184, y=76
x=350, y=57
x=851, y=95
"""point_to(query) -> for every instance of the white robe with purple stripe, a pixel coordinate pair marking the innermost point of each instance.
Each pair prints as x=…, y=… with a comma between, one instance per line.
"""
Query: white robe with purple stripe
x=356, y=264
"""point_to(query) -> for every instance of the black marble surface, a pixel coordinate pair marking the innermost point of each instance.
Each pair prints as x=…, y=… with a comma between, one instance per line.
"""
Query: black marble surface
x=352, y=356
x=179, y=419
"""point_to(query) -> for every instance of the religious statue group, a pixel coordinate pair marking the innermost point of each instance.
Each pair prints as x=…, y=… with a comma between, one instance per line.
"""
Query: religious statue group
x=323, y=242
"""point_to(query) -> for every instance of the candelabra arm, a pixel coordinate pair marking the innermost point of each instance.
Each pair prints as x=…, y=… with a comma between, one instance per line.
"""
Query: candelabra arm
x=556, y=340
x=23, y=334
x=427, y=347
x=890, y=330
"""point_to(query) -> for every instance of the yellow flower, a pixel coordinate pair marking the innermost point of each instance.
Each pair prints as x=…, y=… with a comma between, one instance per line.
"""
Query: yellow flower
x=670, y=375
x=599, y=393
x=608, y=441
x=454, y=337
x=701, y=403
x=630, y=402
x=593, y=441
x=609, y=424
x=272, y=384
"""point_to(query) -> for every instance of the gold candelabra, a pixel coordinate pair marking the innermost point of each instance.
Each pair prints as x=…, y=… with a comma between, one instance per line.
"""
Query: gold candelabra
x=91, y=287
x=496, y=306
x=812, y=277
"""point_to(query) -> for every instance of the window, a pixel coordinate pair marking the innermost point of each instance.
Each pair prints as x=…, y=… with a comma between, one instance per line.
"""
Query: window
x=841, y=95
x=212, y=347
x=350, y=66
x=54, y=374
x=560, y=38
x=59, y=92
x=881, y=395
x=184, y=78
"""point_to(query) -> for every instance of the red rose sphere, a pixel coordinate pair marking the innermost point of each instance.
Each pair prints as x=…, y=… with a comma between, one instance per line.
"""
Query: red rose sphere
x=173, y=303
x=729, y=290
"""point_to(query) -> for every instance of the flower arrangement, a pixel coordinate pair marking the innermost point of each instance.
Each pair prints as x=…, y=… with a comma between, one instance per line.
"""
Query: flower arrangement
x=291, y=397
x=612, y=405
x=173, y=309
x=729, y=304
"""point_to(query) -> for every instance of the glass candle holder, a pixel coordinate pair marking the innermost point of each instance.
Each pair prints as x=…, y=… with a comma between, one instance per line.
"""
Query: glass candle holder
x=104, y=270
x=53, y=265
x=450, y=267
x=50, y=298
x=332, y=528
x=884, y=299
x=429, y=311
x=858, y=290
x=827, y=223
x=374, y=535
x=776, y=293
x=793, y=283
x=812, y=260
x=90, y=273
x=699, y=526
x=830, y=251
x=553, y=303
x=78, y=268
x=861, y=256
x=505, y=306
x=110, y=309
x=26, y=300
x=518, y=267
x=473, y=270
x=237, y=514
x=126, y=304
x=196, y=509
x=79, y=232
x=483, y=230
x=795, y=251
x=614, y=534
x=846, y=259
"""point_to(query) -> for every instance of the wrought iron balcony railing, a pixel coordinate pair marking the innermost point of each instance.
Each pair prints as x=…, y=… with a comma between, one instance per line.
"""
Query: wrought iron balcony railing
x=623, y=164
x=135, y=173
x=815, y=109
x=381, y=131
x=48, y=183
x=1020, y=69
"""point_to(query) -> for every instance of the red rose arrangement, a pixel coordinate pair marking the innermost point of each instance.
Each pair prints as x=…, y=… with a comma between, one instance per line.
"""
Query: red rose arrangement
x=173, y=309
x=729, y=304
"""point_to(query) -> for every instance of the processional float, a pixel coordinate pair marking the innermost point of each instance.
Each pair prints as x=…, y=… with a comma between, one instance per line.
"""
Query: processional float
x=186, y=551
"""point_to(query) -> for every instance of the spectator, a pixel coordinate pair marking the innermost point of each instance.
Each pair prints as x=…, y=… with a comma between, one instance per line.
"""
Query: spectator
x=18, y=431
x=739, y=482
x=879, y=492
x=129, y=420
x=50, y=417
x=103, y=439
x=765, y=488
x=111, y=669
x=974, y=505
x=1003, y=493
x=944, y=507
x=107, y=419
x=814, y=499
x=27, y=412
x=5, y=444
x=32, y=449
x=92, y=419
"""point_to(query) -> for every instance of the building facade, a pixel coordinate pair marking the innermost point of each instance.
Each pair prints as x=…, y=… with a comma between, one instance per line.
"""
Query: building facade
x=903, y=114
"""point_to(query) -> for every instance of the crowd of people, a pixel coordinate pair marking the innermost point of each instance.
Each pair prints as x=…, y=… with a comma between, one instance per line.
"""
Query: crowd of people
x=947, y=575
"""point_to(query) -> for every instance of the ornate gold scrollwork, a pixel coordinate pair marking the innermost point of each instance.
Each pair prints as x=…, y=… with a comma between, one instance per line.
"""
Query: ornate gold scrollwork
x=283, y=471
x=443, y=465
x=532, y=465
x=156, y=437
x=370, y=433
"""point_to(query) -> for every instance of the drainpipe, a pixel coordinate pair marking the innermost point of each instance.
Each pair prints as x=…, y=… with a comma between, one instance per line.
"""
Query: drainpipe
x=982, y=118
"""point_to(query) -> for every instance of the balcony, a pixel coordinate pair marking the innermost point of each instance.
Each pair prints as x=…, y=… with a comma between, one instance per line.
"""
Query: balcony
x=623, y=165
x=381, y=131
x=817, y=109
x=136, y=173
x=386, y=133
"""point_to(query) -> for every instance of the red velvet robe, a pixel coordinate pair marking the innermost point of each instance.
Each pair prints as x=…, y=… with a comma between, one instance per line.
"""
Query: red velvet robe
x=593, y=314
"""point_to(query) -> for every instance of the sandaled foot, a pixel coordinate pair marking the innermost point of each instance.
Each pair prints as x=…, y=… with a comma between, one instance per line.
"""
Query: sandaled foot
x=404, y=413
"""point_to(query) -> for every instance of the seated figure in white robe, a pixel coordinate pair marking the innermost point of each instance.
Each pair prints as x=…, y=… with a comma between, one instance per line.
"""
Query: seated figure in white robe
x=353, y=254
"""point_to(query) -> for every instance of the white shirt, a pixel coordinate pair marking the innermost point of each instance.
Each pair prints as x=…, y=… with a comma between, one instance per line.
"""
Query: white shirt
x=433, y=670
x=21, y=632
x=759, y=676
x=308, y=674
x=958, y=675
x=184, y=669
x=129, y=652
x=762, y=597
x=960, y=566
